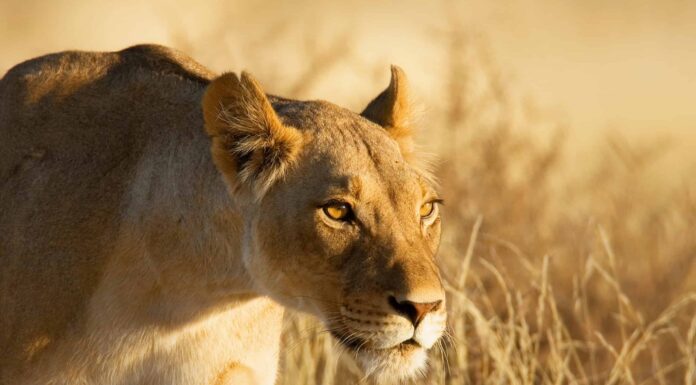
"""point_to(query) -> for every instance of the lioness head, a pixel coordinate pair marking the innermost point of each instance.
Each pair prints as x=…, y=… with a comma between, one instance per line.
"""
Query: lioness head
x=338, y=220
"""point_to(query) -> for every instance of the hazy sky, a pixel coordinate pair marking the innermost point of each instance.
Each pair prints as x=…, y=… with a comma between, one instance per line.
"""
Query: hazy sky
x=628, y=66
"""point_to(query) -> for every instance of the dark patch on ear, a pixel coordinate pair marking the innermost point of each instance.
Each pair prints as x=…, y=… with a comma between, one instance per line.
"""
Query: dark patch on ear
x=242, y=159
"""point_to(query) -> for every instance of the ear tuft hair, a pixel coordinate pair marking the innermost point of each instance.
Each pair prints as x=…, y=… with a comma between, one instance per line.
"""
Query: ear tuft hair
x=251, y=146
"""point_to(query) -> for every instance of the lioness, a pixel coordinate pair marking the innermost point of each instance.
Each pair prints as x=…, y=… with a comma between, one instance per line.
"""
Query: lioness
x=155, y=219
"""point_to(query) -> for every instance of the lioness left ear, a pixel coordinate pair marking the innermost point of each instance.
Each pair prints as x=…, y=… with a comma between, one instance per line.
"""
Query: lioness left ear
x=251, y=146
x=391, y=110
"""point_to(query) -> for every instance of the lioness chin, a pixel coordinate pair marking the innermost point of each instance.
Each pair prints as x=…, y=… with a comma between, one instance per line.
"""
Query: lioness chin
x=156, y=218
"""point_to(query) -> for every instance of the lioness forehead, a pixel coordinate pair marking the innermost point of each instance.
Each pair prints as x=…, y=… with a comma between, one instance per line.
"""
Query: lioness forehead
x=352, y=154
x=340, y=131
x=317, y=115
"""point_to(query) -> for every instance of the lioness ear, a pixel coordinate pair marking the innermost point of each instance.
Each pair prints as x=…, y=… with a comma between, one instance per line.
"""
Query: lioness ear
x=390, y=109
x=251, y=146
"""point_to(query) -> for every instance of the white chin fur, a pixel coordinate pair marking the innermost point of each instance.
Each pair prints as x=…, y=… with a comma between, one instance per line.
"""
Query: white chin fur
x=390, y=366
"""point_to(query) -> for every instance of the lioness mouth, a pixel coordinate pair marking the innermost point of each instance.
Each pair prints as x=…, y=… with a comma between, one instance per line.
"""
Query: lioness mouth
x=407, y=347
x=357, y=344
x=388, y=364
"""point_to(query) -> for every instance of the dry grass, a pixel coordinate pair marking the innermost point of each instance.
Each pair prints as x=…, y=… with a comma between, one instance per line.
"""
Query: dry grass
x=559, y=270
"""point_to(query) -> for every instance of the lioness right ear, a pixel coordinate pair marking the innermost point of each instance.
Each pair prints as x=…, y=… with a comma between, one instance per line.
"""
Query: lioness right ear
x=251, y=147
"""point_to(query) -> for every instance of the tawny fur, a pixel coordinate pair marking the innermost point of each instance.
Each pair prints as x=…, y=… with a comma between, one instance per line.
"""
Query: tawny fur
x=155, y=220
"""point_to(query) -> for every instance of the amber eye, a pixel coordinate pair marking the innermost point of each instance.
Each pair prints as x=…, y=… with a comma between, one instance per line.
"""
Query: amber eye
x=339, y=211
x=427, y=209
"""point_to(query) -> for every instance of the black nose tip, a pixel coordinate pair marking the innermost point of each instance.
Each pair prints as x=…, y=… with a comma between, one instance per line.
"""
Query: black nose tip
x=415, y=311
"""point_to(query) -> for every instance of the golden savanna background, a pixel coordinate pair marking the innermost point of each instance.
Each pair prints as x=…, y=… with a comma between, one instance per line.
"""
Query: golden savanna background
x=563, y=134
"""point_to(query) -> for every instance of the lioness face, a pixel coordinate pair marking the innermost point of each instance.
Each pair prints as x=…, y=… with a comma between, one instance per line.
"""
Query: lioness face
x=351, y=236
x=350, y=233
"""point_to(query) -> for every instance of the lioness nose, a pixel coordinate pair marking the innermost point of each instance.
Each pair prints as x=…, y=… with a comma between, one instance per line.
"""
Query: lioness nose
x=415, y=311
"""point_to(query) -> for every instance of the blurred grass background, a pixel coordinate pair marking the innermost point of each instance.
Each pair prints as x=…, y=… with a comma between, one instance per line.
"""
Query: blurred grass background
x=564, y=138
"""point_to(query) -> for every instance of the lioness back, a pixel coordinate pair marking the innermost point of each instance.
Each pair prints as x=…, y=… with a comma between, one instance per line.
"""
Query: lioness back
x=74, y=127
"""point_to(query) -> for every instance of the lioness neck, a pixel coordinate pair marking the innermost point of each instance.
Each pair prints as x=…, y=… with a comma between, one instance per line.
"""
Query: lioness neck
x=176, y=215
x=184, y=223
